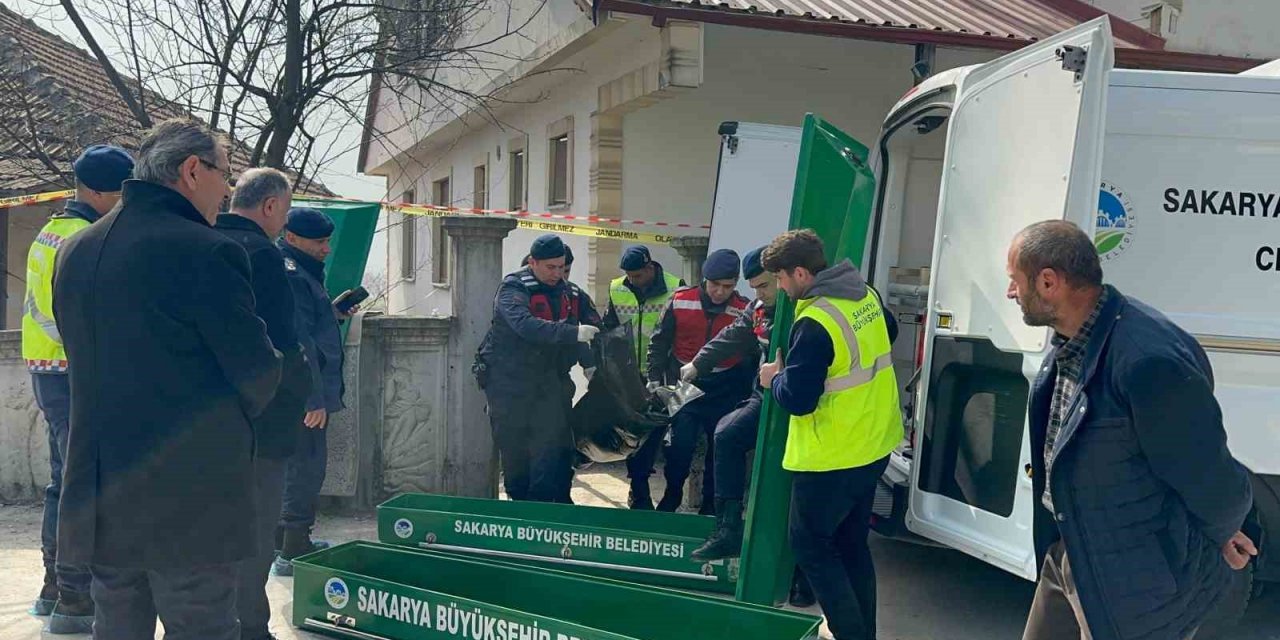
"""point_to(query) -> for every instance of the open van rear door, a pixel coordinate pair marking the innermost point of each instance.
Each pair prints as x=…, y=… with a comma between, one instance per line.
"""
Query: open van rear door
x=1024, y=145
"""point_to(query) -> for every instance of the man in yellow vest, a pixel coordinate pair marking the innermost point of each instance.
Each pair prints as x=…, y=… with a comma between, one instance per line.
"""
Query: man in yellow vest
x=99, y=172
x=639, y=297
x=839, y=387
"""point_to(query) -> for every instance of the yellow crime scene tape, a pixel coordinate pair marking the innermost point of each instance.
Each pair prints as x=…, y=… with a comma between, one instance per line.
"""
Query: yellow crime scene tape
x=586, y=230
x=35, y=198
x=523, y=221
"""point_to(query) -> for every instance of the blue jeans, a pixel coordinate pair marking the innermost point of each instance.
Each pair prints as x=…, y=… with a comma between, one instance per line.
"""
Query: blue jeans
x=303, y=477
x=53, y=396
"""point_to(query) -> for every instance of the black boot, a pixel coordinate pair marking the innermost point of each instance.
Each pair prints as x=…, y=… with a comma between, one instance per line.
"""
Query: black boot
x=726, y=540
x=48, y=597
x=73, y=614
x=639, y=497
x=801, y=592
x=672, y=498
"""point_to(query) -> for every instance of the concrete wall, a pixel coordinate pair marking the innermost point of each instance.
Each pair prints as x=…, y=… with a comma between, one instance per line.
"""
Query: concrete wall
x=24, y=438
x=1244, y=28
x=670, y=149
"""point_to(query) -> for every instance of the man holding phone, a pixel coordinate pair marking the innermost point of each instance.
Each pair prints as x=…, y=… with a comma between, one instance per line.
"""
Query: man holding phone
x=305, y=246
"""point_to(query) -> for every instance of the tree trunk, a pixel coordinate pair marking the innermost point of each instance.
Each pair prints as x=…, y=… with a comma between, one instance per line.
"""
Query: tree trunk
x=287, y=113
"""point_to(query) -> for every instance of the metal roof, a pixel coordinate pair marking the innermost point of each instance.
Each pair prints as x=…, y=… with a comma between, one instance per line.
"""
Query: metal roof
x=1019, y=20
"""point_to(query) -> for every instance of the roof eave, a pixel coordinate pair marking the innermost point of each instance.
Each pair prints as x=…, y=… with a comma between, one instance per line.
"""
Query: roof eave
x=1125, y=56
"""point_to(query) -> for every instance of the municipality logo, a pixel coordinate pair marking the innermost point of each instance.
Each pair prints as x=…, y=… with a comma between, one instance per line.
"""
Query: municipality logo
x=335, y=593
x=1115, y=224
x=403, y=528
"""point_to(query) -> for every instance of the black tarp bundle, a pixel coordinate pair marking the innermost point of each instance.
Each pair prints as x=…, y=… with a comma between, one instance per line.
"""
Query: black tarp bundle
x=616, y=415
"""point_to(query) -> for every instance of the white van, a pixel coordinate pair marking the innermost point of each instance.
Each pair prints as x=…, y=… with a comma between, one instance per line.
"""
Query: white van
x=1188, y=220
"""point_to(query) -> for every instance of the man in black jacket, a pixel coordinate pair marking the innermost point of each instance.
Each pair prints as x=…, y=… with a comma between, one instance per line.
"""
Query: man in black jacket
x=257, y=215
x=156, y=310
x=1138, y=501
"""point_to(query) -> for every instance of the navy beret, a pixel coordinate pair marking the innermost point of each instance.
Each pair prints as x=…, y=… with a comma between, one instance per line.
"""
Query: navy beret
x=634, y=257
x=309, y=223
x=547, y=247
x=751, y=266
x=568, y=255
x=103, y=168
x=722, y=264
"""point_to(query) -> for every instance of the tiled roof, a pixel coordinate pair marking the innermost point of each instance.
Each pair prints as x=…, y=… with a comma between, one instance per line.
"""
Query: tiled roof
x=60, y=92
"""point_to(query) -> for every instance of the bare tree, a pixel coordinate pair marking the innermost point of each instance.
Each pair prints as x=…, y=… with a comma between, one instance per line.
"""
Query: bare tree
x=286, y=76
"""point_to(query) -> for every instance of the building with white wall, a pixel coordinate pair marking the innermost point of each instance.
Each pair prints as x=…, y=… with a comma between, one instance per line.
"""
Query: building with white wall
x=613, y=108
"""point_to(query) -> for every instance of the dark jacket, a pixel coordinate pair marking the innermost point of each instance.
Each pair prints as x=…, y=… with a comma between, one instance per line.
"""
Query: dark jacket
x=171, y=361
x=521, y=351
x=82, y=210
x=810, y=353
x=587, y=315
x=665, y=367
x=317, y=328
x=276, y=429
x=738, y=339
x=1146, y=491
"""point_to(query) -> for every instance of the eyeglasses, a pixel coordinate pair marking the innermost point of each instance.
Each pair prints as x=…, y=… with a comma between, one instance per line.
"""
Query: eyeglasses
x=226, y=173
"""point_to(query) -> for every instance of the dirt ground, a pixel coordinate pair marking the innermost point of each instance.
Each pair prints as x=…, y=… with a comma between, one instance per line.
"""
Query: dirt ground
x=924, y=593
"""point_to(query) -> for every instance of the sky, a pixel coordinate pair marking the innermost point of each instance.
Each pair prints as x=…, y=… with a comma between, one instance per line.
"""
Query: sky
x=340, y=175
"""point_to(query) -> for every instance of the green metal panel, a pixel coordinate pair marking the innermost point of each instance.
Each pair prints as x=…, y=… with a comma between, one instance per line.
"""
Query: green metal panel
x=833, y=196
x=354, y=224
x=370, y=591
x=649, y=547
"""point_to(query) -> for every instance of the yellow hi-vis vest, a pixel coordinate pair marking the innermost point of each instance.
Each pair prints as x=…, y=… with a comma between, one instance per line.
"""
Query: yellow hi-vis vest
x=643, y=317
x=41, y=343
x=858, y=420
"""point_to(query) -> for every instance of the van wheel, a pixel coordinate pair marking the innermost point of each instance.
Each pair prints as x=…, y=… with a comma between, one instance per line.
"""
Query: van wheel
x=1227, y=615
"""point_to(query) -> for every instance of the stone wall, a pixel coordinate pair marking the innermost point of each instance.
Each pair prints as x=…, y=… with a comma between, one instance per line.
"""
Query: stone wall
x=24, y=438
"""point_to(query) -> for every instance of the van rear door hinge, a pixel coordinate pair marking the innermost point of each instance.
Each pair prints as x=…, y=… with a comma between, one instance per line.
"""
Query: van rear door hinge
x=1073, y=59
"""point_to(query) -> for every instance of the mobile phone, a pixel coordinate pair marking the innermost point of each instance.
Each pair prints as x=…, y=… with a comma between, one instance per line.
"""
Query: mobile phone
x=349, y=299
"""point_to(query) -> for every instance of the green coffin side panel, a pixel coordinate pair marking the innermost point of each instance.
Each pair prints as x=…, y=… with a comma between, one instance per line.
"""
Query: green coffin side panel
x=833, y=195
x=648, y=547
x=370, y=591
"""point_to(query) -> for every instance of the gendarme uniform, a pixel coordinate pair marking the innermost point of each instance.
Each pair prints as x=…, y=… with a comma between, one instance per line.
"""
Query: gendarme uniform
x=641, y=307
x=41, y=344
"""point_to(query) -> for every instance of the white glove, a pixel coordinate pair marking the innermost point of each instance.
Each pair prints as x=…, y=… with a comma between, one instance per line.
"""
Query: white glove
x=588, y=372
x=586, y=332
x=652, y=386
x=688, y=372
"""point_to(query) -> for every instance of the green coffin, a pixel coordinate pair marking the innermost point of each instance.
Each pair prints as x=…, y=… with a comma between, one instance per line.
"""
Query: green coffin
x=648, y=547
x=368, y=590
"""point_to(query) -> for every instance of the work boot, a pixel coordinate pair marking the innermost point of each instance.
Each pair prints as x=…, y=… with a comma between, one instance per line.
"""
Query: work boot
x=801, y=593
x=48, y=597
x=72, y=615
x=297, y=542
x=671, y=499
x=726, y=540
x=639, y=498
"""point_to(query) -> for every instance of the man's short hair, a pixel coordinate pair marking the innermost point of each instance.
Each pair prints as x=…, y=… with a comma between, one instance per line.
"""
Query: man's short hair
x=168, y=144
x=256, y=185
x=795, y=248
x=1063, y=247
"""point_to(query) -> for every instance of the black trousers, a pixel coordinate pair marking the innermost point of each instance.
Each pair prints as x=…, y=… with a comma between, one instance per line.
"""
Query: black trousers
x=830, y=520
x=303, y=478
x=535, y=445
x=53, y=396
x=735, y=436
x=251, y=585
x=194, y=603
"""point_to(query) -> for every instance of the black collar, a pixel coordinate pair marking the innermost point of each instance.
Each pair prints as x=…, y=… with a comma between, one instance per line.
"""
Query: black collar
x=149, y=196
x=305, y=262
x=240, y=223
x=82, y=210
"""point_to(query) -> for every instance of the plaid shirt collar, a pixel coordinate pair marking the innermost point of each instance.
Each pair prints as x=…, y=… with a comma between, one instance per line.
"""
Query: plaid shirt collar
x=1071, y=350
